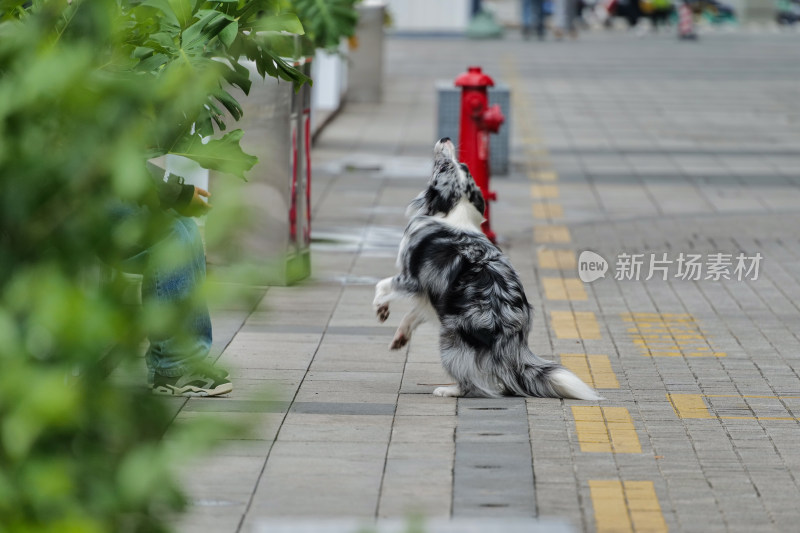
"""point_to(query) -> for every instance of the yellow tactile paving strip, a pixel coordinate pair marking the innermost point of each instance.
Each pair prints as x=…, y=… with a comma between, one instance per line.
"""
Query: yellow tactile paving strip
x=594, y=369
x=543, y=175
x=544, y=192
x=564, y=289
x=706, y=406
x=689, y=405
x=605, y=429
x=626, y=506
x=556, y=259
x=618, y=505
x=551, y=234
x=575, y=325
x=668, y=335
x=547, y=211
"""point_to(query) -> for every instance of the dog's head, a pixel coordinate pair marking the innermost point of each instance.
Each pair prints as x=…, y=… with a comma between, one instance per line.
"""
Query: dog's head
x=450, y=182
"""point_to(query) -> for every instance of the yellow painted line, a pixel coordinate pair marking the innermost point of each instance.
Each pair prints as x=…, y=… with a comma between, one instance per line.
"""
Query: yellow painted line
x=605, y=429
x=541, y=162
x=645, y=510
x=593, y=369
x=668, y=335
x=543, y=175
x=545, y=234
x=547, y=211
x=575, y=325
x=603, y=376
x=610, y=507
x=621, y=430
x=752, y=396
x=693, y=406
x=556, y=259
x=592, y=430
x=537, y=154
x=689, y=405
x=578, y=364
x=626, y=506
x=784, y=418
x=564, y=289
x=544, y=191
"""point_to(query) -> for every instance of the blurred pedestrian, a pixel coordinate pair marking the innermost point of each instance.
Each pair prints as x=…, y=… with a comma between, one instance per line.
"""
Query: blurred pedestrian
x=475, y=7
x=564, y=14
x=170, y=256
x=630, y=11
x=533, y=18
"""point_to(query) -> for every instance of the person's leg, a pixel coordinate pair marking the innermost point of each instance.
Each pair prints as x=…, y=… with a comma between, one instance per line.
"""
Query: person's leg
x=571, y=13
x=170, y=256
x=172, y=264
x=475, y=7
x=538, y=17
x=173, y=277
x=527, y=17
x=559, y=18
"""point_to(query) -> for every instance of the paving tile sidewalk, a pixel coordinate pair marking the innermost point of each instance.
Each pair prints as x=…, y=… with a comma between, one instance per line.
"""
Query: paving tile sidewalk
x=621, y=146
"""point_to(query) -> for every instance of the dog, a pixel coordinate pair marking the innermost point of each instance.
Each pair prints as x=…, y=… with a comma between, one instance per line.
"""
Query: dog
x=455, y=275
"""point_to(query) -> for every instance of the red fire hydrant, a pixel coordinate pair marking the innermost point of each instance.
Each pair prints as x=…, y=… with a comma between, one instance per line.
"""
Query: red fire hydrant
x=477, y=121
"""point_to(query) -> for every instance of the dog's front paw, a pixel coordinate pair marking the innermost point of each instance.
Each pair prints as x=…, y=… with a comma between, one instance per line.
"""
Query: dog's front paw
x=382, y=312
x=451, y=390
x=400, y=340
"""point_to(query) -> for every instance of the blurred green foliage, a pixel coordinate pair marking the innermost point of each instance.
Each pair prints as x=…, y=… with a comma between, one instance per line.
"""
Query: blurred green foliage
x=89, y=89
x=326, y=21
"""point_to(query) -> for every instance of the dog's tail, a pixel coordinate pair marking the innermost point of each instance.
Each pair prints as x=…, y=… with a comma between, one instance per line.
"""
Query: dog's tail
x=546, y=379
x=568, y=385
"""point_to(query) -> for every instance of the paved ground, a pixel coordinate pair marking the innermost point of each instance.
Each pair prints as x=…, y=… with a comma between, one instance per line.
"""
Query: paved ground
x=620, y=145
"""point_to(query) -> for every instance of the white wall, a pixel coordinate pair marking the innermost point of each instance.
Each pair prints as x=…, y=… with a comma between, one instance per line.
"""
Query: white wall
x=429, y=15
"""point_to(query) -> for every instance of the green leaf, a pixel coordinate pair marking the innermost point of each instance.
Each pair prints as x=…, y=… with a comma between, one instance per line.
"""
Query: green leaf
x=239, y=76
x=327, y=21
x=182, y=10
x=229, y=33
x=204, y=127
x=230, y=103
x=205, y=29
x=278, y=43
x=224, y=155
x=287, y=22
x=152, y=63
x=9, y=8
x=164, y=41
x=165, y=8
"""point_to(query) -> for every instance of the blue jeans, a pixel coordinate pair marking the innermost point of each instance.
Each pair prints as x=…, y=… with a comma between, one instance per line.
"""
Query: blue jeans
x=533, y=16
x=173, y=269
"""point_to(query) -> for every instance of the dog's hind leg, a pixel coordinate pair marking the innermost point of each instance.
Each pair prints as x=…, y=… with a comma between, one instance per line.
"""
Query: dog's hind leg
x=462, y=361
x=450, y=390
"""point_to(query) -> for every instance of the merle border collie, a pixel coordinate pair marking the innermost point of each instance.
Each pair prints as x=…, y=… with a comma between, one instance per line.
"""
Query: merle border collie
x=454, y=274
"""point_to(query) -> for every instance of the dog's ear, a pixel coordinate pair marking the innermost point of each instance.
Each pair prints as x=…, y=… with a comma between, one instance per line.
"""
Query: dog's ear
x=474, y=193
x=475, y=197
x=417, y=205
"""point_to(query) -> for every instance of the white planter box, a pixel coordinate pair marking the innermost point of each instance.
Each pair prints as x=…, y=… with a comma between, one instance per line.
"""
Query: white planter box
x=329, y=72
x=447, y=16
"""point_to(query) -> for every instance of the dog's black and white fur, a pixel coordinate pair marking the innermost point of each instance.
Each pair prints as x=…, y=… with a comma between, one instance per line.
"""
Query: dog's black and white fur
x=454, y=273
